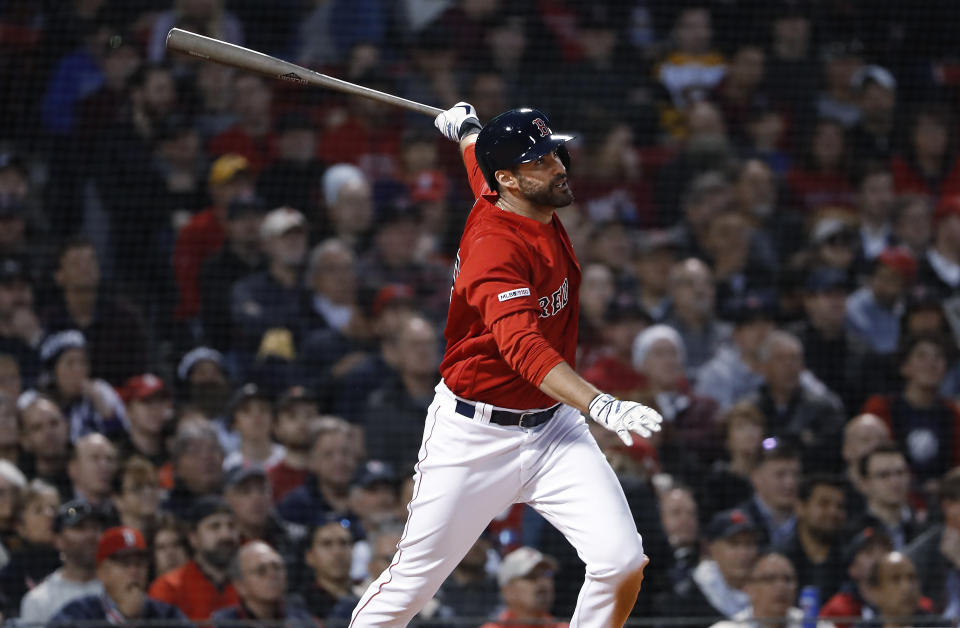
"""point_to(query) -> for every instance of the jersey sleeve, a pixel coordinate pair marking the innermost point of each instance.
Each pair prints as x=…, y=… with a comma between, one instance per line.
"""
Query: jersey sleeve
x=496, y=278
x=524, y=348
x=477, y=183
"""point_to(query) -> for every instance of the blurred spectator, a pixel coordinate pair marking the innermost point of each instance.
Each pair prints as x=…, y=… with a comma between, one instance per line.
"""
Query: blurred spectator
x=897, y=592
x=9, y=424
x=207, y=17
x=820, y=180
x=739, y=91
x=936, y=552
x=612, y=185
x=36, y=557
x=328, y=556
x=690, y=421
x=44, y=439
x=678, y=513
x=872, y=138
x=77, y=526
x=775, y=480
x=248, y=493
x=392, y=260
x=776, y=224
x=526, y=579
x=297, y=412
x=204, y=381
x=12, y=485
x=252, y=137
x=229, y=179
x=240, y=257
x=260, y=578
x=692, y=299
x=375, y=500
x=815, y=547
x=470, y=590
x=139, y=495
x=394, y=414
x=728, y=481
x=691, y=188
x=738, y=269
x=149, y=409
x=715, y=589
x=122, y=563
x=339, y=329
x=11, y=387
x=381, y=544
x=610, y=367
x=251, y=411
x=656, y=253
x=856, y=597
x=766, y=128
x=182, y=164
x=834, y=355
x=692, y=68
x=197, y=459
x=792, y=72
x=833, y=243
x=913, y=223
x=837, y=98
x=294, y=178
x=599, y=292
x=15, y=211
x=90, y=405
x=201, y=586
x=20, y=328
x=113, y=327
x=886, y=481
x=168, y=544
x=328, y=32
x=797, y=408
x=874, y=311
x=735, y=370
x=940, y=267
x=919, y=417
x=332, y=462
x=273, y=300
x=772, y=589
x=929, y=165
x=92, y=468
x=432, y=75
x=214, y=85
x=862, y=434
x=875, y=198
x=348, y=199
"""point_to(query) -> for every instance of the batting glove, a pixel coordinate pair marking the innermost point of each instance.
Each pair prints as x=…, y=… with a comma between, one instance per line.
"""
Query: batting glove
x=458, y=121
x=624, y=417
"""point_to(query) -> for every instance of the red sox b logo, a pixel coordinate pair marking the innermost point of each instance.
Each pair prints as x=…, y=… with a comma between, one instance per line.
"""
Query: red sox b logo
x=540, y=124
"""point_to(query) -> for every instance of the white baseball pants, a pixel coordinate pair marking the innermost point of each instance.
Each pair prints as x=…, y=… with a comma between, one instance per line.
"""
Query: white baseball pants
x=470, y=470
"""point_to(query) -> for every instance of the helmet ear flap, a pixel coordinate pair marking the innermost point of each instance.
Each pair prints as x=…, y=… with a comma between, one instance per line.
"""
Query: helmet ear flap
x=489, y=174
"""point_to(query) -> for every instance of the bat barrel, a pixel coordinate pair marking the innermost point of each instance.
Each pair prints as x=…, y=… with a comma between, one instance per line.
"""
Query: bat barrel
x=245, y=59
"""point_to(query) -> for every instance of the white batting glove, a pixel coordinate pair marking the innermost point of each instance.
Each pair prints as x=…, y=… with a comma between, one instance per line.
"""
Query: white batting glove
x=624, y=417
x=458, y=121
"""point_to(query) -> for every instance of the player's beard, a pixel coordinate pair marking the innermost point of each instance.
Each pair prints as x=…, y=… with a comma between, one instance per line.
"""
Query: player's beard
x=546, y=194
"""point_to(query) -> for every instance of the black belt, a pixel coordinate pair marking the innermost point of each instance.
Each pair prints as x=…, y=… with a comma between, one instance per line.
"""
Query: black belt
x=505, y=417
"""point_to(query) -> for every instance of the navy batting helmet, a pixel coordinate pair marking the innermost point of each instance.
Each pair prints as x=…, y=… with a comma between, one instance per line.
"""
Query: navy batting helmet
x=515, y=137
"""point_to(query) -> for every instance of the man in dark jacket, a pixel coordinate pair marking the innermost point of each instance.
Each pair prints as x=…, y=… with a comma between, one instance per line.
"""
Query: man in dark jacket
x=936, y=552
x=122, y=564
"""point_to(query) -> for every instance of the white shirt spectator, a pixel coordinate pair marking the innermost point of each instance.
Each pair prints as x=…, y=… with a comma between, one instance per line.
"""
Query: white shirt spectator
x=48, y=597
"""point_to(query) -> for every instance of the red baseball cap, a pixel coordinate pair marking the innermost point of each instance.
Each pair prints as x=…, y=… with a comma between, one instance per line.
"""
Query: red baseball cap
x=948, y=206
x=389, y=295
x=430, y=185
x=899, y=259
x=120, y=539
x=142, y=387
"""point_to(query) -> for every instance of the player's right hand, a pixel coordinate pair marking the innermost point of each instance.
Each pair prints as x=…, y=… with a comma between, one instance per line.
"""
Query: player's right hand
x=624, y=417
x=458, y=121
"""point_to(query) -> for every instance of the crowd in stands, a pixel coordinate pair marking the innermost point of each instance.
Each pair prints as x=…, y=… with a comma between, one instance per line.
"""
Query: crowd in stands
x=222, y=301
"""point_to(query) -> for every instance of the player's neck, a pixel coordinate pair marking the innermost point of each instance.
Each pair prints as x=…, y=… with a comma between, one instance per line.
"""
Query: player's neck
x=541, y=213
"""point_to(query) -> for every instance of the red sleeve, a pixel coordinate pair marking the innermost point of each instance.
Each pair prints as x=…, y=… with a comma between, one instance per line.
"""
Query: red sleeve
x=496, y=277
x=477, y=183
x=523, y=347
x=162, y=590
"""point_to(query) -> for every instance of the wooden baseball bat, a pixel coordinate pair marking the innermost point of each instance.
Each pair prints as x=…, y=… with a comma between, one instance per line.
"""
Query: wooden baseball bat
x=245, y=59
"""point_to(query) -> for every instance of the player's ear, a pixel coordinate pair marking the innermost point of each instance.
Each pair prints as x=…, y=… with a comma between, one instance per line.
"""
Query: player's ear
x=505, y=179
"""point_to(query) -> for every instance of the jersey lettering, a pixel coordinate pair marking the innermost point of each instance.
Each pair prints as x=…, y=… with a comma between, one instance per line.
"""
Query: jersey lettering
x=540, y=124
x=551, y=306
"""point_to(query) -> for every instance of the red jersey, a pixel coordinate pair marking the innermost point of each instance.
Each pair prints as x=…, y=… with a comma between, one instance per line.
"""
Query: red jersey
x=191, y=591
x=198, y=240
x=514, y=305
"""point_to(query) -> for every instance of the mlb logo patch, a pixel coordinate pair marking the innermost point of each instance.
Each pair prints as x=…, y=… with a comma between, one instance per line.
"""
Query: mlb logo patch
x=513, y=294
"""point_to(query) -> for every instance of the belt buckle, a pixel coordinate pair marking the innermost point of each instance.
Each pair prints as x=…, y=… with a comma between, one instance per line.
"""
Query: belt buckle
x=523, y=416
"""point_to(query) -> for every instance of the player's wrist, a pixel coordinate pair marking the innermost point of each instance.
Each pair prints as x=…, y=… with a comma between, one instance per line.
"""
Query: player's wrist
x=468, y=128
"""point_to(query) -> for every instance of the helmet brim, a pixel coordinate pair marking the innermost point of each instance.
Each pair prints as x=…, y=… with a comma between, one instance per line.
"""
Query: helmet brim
x=544, y=146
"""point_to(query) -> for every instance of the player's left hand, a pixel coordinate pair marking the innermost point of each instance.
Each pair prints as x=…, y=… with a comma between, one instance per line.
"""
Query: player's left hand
x=458, y=121
x=624, y=417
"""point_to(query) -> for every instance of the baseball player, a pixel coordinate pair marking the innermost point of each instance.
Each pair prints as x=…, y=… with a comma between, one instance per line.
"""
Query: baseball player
x=505, y=425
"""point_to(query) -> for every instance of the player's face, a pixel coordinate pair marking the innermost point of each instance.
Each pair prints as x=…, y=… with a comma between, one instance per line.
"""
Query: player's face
x=544, y=181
